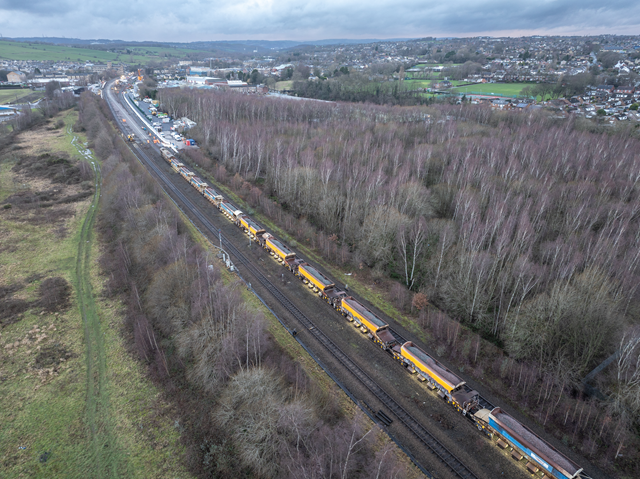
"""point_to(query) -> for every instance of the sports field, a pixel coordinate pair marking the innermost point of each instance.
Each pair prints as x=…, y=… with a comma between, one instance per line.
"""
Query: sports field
x=426, y=83
x=44, y=52
x=11, y=96
x=431, y=65
x=423, y=75
x=504, y=89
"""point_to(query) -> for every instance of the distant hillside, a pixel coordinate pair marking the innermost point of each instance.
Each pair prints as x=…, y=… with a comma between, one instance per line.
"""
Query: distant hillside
x=279, y=44
x=236, y=46
x=139, y=54
x=63, y=40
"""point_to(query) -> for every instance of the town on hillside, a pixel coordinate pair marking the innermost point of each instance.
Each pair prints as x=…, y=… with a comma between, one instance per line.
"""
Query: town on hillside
x=594, y=77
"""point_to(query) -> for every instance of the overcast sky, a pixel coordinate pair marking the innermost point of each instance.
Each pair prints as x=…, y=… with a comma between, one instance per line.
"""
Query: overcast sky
x=193, y=20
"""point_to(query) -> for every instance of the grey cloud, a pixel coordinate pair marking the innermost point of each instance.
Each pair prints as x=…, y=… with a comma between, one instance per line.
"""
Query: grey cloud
x=36, y=7
x=293, y=19
x=517, y=15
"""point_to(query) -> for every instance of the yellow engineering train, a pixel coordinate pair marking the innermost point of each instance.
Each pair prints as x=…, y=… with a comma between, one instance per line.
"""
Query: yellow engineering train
x=504, y=430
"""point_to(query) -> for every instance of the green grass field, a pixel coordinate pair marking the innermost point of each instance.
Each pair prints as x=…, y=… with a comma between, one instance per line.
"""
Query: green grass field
x=44, y=52
x=504, y=89
x=422, y=65
x=423, y=76
x=284, y=85
x=10, y=96
x=426, y=83
x=70, y=420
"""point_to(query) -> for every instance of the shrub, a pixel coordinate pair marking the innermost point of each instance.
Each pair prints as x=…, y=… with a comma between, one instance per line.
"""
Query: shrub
x=54, y=294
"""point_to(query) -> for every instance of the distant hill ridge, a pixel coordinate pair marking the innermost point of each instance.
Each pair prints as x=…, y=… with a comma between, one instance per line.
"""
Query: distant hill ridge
x=233, y=45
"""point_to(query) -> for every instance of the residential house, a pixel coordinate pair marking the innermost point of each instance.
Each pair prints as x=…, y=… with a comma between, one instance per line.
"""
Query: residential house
x=623, y=91
x=605, y=88
x=501, y=104
x=16, y=77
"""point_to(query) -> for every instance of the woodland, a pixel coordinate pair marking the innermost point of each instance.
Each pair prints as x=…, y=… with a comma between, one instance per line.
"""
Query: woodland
x=521, y=227
x=244, y=407
x=356, y=87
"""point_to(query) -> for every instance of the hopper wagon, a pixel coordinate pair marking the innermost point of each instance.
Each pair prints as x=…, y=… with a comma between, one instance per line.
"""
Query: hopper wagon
x=228, y=209
x=450, y=387
x=524, y=443
x=198, y=184
x=320, y=284
x=252, y=228
x=166, y=154
x=278, y=250
x=176, y=165
x=186, y=173
x=367, y=322
x=212, y=195
x=314, y=278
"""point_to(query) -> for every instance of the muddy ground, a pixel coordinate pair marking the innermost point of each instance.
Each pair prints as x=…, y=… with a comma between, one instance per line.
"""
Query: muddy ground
x=45, y=181
x=39, y=189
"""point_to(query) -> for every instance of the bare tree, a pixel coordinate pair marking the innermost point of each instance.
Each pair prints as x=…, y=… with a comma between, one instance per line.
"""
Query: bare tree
x=627, y=393
x=411, y=245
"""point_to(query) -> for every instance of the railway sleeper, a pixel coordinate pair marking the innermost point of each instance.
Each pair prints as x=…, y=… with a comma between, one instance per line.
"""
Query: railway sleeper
x=386, y=420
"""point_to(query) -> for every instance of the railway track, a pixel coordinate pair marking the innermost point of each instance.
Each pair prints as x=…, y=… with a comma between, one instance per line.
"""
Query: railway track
x=422, y=434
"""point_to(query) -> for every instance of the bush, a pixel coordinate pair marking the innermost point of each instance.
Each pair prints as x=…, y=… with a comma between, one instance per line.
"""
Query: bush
x=54, y=294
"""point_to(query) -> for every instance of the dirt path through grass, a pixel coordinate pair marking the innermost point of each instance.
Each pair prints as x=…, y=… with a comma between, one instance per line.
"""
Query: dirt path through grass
x=105, y=455
x=74, y=403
